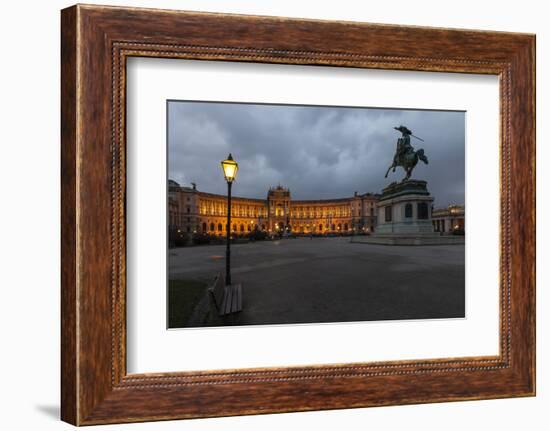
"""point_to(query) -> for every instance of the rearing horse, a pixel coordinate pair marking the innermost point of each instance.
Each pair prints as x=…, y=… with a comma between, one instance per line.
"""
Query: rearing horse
x=408, y=162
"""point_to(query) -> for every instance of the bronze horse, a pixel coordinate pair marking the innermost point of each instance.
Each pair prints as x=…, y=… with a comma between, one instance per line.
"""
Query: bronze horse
x=408, y=162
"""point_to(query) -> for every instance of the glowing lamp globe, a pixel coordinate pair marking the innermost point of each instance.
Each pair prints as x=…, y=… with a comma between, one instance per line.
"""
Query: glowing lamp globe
x=230, y=168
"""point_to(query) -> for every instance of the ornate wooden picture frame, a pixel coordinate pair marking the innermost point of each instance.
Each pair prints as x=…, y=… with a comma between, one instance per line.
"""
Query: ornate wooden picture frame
x=96, y=42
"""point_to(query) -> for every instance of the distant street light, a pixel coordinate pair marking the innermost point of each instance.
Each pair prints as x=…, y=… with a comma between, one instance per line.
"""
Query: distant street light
x=230, y=168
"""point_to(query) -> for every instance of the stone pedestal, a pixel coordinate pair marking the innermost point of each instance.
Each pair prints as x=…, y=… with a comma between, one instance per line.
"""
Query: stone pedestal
x=405, y=208
x=405, y=217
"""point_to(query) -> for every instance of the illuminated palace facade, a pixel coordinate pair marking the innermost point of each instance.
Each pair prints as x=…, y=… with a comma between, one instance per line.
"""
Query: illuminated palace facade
x=449, y=219
x=194, y=211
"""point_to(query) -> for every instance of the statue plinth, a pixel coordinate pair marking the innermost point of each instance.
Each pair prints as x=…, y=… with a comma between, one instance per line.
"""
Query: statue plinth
x=405, y=208
x=410, y=187
x=404, y=217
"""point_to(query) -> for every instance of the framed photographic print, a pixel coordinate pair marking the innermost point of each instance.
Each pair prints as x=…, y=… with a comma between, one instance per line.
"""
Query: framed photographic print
x=265, y=214
x=322, y=153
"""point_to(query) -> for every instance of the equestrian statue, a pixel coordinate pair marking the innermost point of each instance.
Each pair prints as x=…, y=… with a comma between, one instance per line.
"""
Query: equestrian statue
x=405, y=155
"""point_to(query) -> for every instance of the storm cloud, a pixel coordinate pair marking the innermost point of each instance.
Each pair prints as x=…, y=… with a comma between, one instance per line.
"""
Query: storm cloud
x=317, y=152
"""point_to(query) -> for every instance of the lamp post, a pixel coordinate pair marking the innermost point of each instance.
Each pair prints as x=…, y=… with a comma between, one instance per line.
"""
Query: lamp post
x=230, y=168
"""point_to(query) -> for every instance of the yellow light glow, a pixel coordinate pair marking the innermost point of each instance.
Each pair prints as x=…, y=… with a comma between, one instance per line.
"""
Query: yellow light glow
x=230, y=168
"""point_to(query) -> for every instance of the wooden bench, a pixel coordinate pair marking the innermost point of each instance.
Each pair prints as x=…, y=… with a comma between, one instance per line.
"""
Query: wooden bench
x=227, y=299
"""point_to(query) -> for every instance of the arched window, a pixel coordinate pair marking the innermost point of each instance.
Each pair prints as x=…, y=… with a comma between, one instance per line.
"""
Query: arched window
x=249, y=227
x=346, y=226
x=333, y=227
x=320, y=227
x=423, y=210
x=220, y=227
x=387, y=213
x=204, y=227
x=234, y=228
x=339, y=226
x=242, y=227
x=408, y=211
x=211, y=227
x=263, y=227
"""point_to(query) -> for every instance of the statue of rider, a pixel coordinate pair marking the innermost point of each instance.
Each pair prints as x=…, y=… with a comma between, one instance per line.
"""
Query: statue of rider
x=403, y=145
x=405, y=155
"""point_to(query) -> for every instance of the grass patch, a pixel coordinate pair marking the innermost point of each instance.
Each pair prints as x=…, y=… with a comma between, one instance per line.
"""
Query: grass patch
x=183, y=296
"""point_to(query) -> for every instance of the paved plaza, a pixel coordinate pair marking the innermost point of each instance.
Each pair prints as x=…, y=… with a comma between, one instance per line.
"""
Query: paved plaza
x=333, y=280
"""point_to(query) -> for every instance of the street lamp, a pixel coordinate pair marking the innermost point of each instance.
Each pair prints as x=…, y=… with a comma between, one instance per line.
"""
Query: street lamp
x=230, y=168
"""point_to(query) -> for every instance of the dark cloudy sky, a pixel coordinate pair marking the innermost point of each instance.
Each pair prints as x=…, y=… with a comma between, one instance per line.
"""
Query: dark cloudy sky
x=318, y=152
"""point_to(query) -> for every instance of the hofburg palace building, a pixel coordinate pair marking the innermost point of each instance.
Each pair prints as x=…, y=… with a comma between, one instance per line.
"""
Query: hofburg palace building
x=194, y=211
